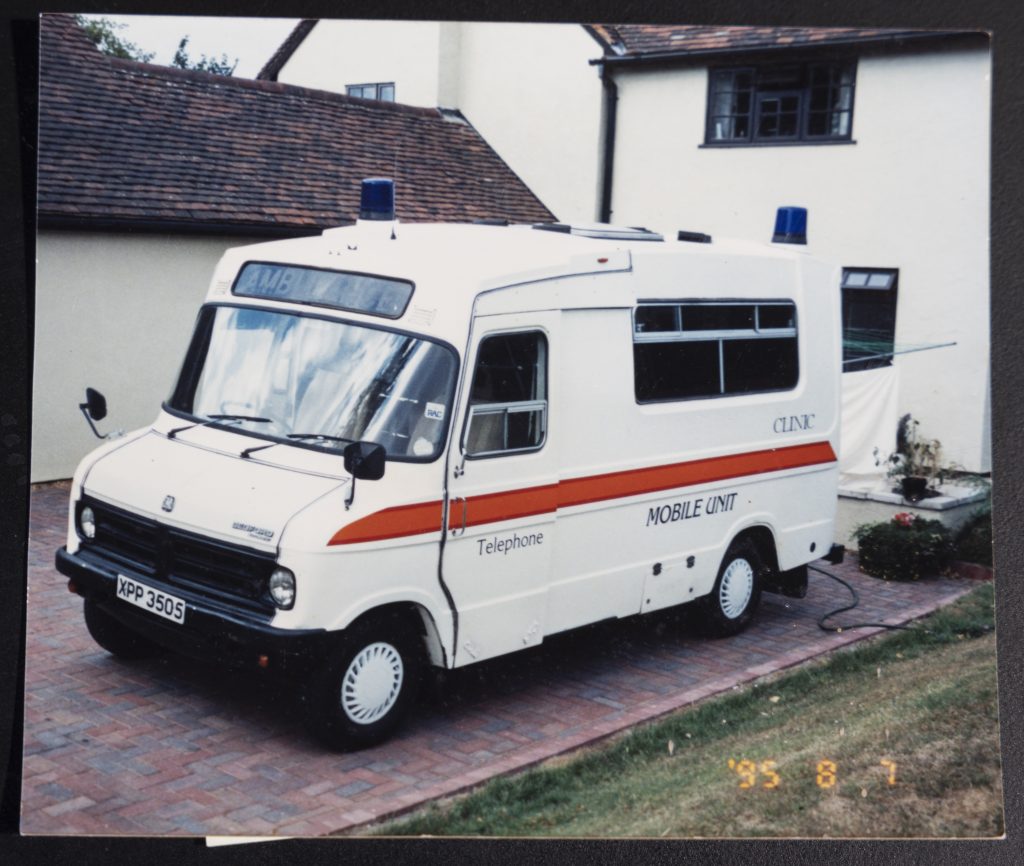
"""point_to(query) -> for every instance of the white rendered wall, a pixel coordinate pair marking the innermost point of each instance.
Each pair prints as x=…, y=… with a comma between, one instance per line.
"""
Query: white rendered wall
x=912, y=193
x=338, y=53
x=114, y=312
x=529, y=90
x=532, y=94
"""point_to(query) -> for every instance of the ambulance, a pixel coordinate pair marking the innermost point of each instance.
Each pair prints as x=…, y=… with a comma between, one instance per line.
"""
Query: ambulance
x=397, y=446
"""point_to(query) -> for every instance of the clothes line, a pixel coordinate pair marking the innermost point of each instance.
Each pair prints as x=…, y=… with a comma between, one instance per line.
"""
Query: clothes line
x=899, y=352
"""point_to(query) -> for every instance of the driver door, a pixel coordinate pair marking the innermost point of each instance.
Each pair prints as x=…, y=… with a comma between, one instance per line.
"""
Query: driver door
x=503, y=487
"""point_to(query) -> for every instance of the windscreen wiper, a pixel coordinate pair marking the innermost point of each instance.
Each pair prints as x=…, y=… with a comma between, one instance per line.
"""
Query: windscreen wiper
x=319, y=436
x=172, y=433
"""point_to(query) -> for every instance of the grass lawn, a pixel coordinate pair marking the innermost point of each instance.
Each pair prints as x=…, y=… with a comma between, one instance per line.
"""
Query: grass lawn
x=897, y=737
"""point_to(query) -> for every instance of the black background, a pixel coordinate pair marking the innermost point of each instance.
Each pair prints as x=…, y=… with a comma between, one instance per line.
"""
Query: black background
x=18, y=81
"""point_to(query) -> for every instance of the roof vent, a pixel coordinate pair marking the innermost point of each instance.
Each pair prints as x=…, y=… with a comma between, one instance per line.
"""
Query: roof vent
x=602, y=231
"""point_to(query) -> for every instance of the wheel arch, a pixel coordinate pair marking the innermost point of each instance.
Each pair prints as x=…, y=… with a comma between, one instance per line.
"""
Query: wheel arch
x=763, y=538
x=414, y=616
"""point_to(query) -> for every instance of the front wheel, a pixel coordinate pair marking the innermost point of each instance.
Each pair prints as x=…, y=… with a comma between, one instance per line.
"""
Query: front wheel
x=737, y=592
x=359, y=697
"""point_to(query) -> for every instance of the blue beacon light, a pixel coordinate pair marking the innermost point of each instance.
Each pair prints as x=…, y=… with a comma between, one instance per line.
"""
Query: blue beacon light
x=790, y=226
x=377, y=199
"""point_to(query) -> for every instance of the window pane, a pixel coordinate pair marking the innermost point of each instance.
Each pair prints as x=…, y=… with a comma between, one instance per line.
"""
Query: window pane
x=524, y=429
x=387, y=92
x=672, y=371
x=759, y=365
x=718, y=317
x=508, y=384
x=307, y=375
x=729, y=103
x=879, y=281
x=656, y=319
x=770, y=316
x=508, y=369
x=855, y=279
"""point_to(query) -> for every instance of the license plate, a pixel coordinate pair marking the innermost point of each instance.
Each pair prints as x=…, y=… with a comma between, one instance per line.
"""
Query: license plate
x=150, y=599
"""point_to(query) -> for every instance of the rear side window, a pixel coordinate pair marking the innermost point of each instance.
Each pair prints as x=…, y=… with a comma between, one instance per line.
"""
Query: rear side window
x=697, y=349
x=508, y=400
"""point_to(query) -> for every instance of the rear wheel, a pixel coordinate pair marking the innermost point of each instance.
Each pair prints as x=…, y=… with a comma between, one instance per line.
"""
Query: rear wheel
x=737, y=592
x=360, y=696
x=116, y=638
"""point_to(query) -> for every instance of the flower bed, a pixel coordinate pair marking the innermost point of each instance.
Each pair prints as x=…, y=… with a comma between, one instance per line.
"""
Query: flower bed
x=907, y=547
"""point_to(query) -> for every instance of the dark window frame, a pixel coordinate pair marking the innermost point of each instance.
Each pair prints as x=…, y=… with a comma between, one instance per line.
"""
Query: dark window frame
x=531, y=405
x=853, y=295
x=729, y=80
x=701, y=336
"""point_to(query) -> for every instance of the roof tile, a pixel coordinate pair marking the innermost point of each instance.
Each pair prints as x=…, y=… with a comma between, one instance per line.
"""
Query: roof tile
x=126, y=140
x=639, y=40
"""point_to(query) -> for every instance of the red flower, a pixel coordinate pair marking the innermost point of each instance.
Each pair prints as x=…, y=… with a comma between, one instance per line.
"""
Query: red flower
x=904, y=518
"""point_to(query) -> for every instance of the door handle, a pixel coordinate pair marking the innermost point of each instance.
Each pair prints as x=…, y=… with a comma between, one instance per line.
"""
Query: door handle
x=462, y=529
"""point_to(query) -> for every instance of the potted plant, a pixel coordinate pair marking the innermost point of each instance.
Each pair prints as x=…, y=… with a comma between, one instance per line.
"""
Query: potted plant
x=916, y=462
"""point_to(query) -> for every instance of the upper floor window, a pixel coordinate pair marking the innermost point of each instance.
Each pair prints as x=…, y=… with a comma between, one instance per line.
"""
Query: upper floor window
x=779, y=104
x=700, y=349
x=385, y=91
x=869, y=317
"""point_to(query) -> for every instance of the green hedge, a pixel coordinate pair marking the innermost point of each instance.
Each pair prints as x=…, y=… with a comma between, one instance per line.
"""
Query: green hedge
x=974, y=538
x=904, y=548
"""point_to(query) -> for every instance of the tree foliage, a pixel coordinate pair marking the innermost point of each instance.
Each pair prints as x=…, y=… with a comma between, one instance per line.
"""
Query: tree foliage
x=204, y=64
x=104, y=34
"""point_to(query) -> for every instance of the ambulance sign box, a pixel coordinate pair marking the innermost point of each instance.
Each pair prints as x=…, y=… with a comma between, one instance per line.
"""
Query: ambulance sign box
x=395, y=446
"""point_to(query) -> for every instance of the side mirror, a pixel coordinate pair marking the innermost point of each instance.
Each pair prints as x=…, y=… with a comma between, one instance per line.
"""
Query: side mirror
x=95, y=404
x=364, y=460
x=95, y=409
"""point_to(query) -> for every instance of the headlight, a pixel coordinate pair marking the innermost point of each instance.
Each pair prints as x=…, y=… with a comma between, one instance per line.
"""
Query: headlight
x=282, y=588
x=87, y=522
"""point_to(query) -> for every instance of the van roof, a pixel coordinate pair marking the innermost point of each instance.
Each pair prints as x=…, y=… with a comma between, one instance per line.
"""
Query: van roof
x=450, y=264
x=475, y=254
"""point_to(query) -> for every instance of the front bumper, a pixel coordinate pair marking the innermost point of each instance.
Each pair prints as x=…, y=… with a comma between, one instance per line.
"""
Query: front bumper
x=210, y=633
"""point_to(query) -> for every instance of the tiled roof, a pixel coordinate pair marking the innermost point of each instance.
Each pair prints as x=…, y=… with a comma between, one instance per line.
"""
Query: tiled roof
x=638, y=41
x=285, y=51
x=122, y=141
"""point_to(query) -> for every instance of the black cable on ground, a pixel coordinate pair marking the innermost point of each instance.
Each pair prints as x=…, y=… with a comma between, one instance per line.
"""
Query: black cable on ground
x=838, y=610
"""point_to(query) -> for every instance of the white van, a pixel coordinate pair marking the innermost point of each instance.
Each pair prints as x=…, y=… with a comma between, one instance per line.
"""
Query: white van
x=392, y=446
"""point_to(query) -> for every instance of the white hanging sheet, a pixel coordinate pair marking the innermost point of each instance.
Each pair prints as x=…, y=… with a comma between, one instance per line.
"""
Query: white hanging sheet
x=869, y=417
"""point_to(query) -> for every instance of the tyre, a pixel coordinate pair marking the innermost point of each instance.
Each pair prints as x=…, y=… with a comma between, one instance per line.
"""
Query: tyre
x=116, y=638
x=360, y=696
x=731, y=605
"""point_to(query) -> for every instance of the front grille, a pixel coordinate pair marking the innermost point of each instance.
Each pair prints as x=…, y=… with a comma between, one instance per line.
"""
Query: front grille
x=228, y=574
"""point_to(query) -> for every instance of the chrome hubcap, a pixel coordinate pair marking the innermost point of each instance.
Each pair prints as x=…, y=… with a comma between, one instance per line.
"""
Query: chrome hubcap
x=736, y=589
x=371, y=684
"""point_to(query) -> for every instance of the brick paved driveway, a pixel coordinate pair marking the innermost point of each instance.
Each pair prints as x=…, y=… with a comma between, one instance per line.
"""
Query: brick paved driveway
x=171, y=747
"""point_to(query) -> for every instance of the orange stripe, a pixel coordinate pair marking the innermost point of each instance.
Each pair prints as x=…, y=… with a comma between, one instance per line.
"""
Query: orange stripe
x=391, y=523
x=425, y=517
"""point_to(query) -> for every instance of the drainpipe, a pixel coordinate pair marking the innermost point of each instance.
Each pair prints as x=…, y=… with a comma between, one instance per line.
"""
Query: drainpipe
x=611, y=101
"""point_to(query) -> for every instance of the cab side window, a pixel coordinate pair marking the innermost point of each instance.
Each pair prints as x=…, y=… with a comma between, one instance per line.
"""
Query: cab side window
x=508, y=400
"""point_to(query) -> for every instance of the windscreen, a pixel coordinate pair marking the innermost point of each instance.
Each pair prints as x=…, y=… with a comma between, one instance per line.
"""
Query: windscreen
x=317, y=381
